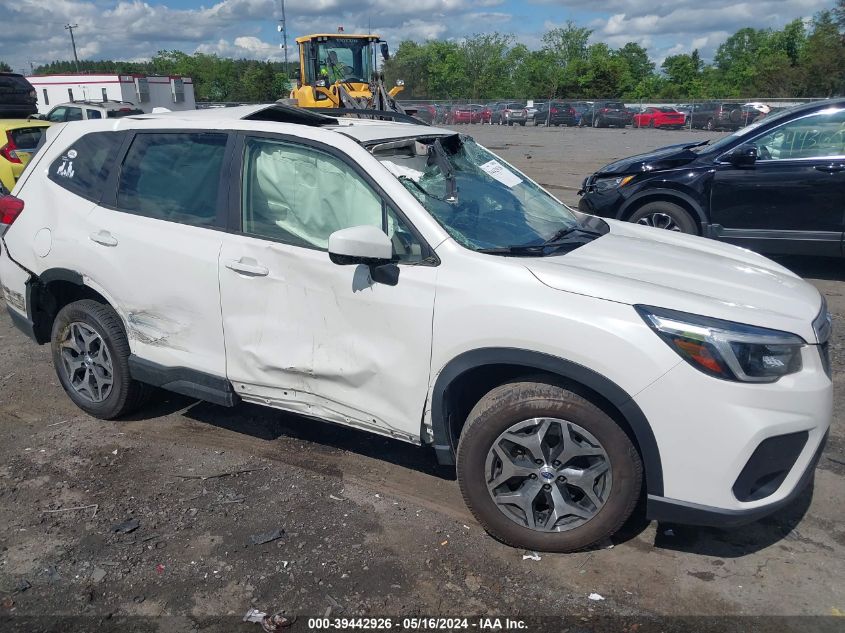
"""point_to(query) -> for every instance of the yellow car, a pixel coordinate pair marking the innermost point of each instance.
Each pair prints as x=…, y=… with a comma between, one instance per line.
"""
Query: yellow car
x=18, y=140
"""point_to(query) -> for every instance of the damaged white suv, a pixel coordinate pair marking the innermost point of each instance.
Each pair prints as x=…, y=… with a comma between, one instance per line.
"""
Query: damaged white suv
x=402, y=279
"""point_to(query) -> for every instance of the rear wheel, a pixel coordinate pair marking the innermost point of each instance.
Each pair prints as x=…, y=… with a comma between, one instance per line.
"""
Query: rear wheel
x=596, y=122
x=91, y=357
x=709, y=126
x=542, y=468
x=665, y=215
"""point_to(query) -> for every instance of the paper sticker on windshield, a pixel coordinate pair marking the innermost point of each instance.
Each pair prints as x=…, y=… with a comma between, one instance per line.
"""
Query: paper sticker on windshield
x=501, y=173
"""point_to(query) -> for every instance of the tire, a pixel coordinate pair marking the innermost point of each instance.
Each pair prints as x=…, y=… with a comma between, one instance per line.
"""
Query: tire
x=651, y=123
x=659, y=213
x=596, y=122
x=522, y=123
x=509, y=405
x=709, y=126
x=88, y=318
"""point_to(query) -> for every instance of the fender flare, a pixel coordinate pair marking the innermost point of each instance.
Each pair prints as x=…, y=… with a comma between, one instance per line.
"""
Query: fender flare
x=669, y=193
x=532, y=360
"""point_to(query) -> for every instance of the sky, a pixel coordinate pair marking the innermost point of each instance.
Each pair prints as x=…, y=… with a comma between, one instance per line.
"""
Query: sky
x=33, y=30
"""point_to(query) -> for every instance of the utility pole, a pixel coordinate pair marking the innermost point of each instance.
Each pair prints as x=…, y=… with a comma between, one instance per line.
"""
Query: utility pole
x=70, y=27
x=283, y=29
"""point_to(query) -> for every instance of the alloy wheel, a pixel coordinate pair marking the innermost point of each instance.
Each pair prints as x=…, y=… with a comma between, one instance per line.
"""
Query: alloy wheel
x=548, y=474
x=87, y=362
x=660, y=221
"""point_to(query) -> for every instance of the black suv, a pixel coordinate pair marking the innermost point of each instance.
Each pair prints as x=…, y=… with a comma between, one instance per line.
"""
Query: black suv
x=17, y=97
x=555, y=113
x=716, y=115
x=606, y=114
x=776, y=186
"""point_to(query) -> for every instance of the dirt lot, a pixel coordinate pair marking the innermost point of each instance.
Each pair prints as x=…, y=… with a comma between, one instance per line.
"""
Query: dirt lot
x=370, y=526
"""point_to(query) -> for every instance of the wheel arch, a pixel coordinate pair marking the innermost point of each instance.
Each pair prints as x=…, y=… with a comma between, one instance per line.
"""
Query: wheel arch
x=49, y=292
x=460, y=384
x=681, y=198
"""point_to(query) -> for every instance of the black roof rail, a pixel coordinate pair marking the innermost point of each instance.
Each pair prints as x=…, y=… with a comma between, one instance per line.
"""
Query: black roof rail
x=382, y=115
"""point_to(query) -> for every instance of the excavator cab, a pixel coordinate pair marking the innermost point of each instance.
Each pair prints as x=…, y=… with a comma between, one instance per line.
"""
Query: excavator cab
x=339, y=71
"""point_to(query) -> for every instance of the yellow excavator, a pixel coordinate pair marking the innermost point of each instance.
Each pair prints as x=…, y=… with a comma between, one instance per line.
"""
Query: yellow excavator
x=338, y=71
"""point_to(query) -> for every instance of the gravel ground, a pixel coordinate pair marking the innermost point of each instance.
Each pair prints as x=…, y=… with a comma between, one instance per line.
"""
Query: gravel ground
x=162, y=514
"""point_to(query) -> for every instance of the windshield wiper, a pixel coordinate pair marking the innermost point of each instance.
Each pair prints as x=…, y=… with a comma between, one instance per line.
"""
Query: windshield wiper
x=555, y=241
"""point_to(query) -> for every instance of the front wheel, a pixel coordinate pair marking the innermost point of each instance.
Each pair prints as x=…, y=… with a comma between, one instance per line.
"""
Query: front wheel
x=665, y=215
x=542, y=468
x=91, y=357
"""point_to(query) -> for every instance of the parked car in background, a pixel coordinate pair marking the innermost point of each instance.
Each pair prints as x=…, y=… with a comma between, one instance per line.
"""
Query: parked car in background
x=580, y=107
x=460, y=115
x=606, y=114
x=530, y=110
x=503, y=113
x=425, y=112
x=86, y=110
x=568, y=367
x=514, y=115
x=555, y=113
x=775, y=186
x=19, y=139
x=659, y=116
x=484, y=114
x=717, y=115
x=18, y=99
x=442, y=113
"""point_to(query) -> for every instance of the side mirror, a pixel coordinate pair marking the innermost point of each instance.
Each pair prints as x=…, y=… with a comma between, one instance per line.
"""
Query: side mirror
x=367, y=245
x=385, y=51
x=742, y=156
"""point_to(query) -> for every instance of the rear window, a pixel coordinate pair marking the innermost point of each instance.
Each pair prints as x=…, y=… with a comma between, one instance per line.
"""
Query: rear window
x=515, y=106
x=84, y=167
x=119, y=114
x=26, y=138
x=667, y=109
x=14, y=84
x=615, y=105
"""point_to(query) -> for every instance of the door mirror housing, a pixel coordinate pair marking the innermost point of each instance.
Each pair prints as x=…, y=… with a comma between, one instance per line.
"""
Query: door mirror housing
x=385, y=51
x=367, y=245
x=742, y=156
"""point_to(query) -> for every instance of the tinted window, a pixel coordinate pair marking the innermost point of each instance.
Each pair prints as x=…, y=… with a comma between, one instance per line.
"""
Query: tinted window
x=615, y=105
x=26, y=138
x=173, y=177
x=94, y=114
x=300, y=196
x=73, y=114
x=84, y=167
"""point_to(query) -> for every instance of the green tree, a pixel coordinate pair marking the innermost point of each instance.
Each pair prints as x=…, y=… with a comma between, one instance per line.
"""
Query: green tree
x=823, y=58
x=4, y=67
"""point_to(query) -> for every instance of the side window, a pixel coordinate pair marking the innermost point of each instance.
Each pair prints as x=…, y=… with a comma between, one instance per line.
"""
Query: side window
x=174, y=177
x=57, y=115
x=93, y=114
x=816, y=136
x=300, y=196
x=84, y=167
x=73, y=114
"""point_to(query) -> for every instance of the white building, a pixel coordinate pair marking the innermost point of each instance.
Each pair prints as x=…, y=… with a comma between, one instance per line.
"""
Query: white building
x=173, y=93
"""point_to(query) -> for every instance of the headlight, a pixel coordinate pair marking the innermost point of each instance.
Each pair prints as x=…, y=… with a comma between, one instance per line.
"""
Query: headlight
x=727, y=350
x=605, y=184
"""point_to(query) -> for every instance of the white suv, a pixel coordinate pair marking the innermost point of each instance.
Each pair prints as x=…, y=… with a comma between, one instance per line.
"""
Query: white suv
x=402, y=279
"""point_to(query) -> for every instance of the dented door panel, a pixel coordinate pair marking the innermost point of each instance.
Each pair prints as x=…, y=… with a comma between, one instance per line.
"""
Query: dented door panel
x=324, y=340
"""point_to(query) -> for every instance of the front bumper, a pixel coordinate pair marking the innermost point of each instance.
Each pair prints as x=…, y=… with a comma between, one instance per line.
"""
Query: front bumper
x=711, y=434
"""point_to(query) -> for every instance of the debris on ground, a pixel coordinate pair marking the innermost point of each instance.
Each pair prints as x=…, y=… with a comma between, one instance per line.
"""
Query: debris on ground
x=23, y=585
x=7, y=603
x=93, y=505
x=159, y=569
x=336, y=498
x=596, y=597
x=531, y=556
x=130, y=525
x=98, y=575
x=269, y=623
x=266, y=537
x=231, y=473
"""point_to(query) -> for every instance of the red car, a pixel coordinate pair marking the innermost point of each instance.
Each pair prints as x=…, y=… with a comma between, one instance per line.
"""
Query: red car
x=481, y=114
x=659, y=117
x=461, y=114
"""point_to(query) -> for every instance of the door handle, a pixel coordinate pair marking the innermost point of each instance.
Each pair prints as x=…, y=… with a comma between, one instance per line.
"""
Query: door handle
x=103, y=237
x=247, y=266
x=831, y=169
